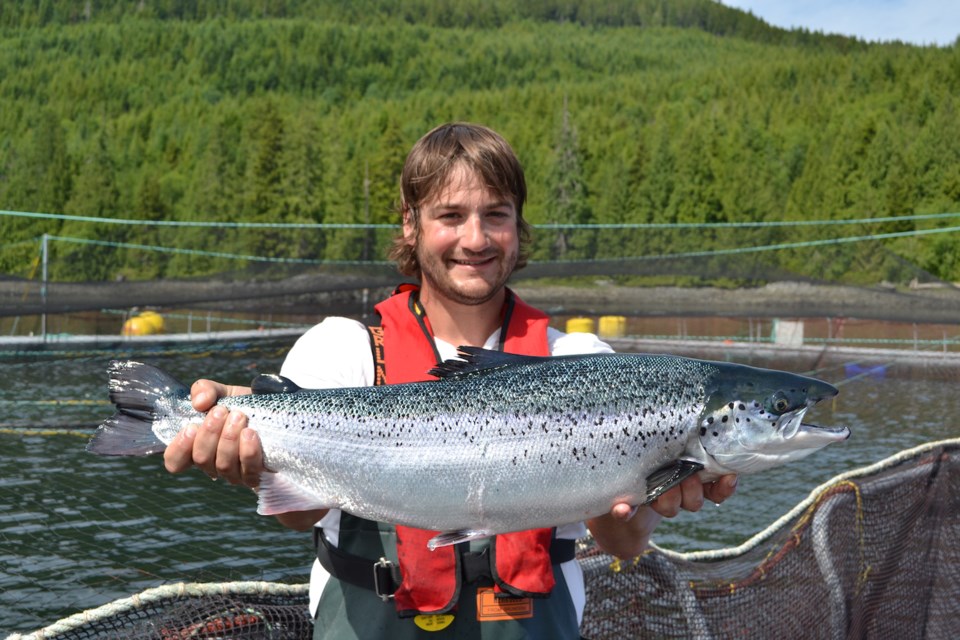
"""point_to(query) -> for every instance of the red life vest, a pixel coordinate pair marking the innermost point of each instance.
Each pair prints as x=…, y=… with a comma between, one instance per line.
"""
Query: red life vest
x=520, y=564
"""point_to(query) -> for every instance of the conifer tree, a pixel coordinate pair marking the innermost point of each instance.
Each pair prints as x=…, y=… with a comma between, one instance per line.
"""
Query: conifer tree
x=567, y=203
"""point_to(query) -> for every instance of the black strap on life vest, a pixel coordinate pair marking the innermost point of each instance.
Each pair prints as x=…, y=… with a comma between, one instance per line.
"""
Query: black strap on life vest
x=383, y=577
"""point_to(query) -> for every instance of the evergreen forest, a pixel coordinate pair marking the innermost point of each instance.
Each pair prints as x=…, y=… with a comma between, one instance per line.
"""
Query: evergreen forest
x=622, y=112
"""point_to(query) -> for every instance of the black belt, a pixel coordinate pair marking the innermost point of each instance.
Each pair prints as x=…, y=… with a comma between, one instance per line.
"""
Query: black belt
x=383, y=576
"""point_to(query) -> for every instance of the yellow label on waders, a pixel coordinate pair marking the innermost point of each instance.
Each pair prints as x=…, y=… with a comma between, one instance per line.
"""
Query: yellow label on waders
x=433, y=622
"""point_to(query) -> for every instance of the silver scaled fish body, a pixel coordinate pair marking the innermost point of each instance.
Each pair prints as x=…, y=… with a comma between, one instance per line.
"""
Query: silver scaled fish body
x=500, y=442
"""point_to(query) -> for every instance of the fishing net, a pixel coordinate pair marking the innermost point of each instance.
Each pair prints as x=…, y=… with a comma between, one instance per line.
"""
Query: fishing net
x=334, y=271
x=870, y=554
x=175, y=612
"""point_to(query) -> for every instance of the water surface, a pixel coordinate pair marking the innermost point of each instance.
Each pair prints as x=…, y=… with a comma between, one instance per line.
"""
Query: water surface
x=78, y=530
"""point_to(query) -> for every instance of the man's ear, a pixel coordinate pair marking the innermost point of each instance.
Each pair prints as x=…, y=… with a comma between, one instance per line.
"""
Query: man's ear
x=409, y=225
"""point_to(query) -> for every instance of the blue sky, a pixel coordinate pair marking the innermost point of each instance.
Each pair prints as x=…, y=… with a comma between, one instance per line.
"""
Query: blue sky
x=921, y=22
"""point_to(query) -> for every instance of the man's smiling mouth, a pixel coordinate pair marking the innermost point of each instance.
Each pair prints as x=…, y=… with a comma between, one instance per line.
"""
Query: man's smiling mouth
x=476, y=262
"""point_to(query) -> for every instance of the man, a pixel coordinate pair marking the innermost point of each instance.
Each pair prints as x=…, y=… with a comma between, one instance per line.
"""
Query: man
x=463, y=235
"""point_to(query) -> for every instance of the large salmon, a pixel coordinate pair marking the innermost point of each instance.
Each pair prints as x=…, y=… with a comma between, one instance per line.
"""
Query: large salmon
x=500, y=442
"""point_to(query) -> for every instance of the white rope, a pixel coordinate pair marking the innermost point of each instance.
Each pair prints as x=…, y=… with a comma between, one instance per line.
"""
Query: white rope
x=756, y=540
x=157, y=594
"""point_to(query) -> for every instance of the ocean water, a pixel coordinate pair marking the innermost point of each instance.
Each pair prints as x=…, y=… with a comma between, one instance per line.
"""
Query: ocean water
x=78, y=530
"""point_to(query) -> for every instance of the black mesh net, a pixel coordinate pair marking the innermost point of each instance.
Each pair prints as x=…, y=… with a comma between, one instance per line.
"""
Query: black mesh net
x=845, y=565
x=339, y=270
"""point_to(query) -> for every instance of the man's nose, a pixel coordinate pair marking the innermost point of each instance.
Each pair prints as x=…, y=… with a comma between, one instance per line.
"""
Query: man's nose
x=474, y=236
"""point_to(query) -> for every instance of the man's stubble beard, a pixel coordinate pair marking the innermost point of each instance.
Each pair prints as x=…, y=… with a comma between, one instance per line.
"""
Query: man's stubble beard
x=434, y=272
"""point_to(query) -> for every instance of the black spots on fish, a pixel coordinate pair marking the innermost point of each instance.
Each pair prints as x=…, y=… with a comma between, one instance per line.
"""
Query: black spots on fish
x=724, y=418
x=703, y=431
x=730, y=405
x=715, y=434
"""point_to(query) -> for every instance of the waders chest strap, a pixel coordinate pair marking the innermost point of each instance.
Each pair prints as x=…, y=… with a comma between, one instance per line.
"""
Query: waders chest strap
x=383, y=576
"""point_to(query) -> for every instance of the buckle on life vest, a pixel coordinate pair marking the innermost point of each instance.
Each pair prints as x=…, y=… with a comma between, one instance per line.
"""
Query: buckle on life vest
x=383, y=584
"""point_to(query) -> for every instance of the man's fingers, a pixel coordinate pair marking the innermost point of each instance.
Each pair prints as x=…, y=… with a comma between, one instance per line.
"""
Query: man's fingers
x=251, y=458
x=691, y=494
x=178, y=456
x=623, y=511
x=722, y=489
x=668, y=504
x=207, y=440
x=228, y=448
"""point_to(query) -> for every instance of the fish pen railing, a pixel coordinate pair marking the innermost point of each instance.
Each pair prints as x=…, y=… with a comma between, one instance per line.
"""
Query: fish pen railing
x=873, y=553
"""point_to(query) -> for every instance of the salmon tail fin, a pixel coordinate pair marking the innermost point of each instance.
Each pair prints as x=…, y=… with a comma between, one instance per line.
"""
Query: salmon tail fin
x=142, y=394
x=124, y=435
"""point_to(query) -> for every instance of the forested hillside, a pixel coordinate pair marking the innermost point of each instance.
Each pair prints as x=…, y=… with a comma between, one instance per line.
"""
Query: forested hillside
x=286, y=111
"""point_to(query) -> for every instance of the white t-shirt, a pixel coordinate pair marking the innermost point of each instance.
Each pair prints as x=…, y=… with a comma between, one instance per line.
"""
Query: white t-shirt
x=336, y=353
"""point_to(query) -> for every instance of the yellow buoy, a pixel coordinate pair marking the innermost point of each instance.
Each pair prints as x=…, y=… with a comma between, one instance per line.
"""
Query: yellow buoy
x=580, y=325
x=135, y=326
x=154, y=319
x=613, y=326
x=145, y=324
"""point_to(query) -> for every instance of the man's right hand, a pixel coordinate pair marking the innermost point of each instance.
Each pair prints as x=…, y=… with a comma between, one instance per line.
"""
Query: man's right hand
x=222, y=445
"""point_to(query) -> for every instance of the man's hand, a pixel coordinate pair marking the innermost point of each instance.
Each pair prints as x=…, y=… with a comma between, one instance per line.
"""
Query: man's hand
x=625, y=532
x=690, y=494
x=222, y=445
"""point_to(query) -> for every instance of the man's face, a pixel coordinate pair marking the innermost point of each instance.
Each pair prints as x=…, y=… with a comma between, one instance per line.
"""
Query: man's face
x=468, y=242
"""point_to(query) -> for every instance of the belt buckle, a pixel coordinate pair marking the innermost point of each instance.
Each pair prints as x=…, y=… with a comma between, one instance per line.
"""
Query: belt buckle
x=382, y=576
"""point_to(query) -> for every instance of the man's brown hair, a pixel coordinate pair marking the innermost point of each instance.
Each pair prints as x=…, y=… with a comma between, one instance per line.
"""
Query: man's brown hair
x=429, y=166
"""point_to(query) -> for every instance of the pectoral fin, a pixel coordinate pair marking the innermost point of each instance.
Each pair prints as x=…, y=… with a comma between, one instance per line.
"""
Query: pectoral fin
x=277, y=494
x=455, y=537
x=669, y=476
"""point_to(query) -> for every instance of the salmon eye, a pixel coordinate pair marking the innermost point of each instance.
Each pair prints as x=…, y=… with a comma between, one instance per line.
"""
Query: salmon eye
x=780, y=405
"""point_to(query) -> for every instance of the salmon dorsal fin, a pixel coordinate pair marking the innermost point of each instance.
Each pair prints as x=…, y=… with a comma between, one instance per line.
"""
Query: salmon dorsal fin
x=478, y=361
